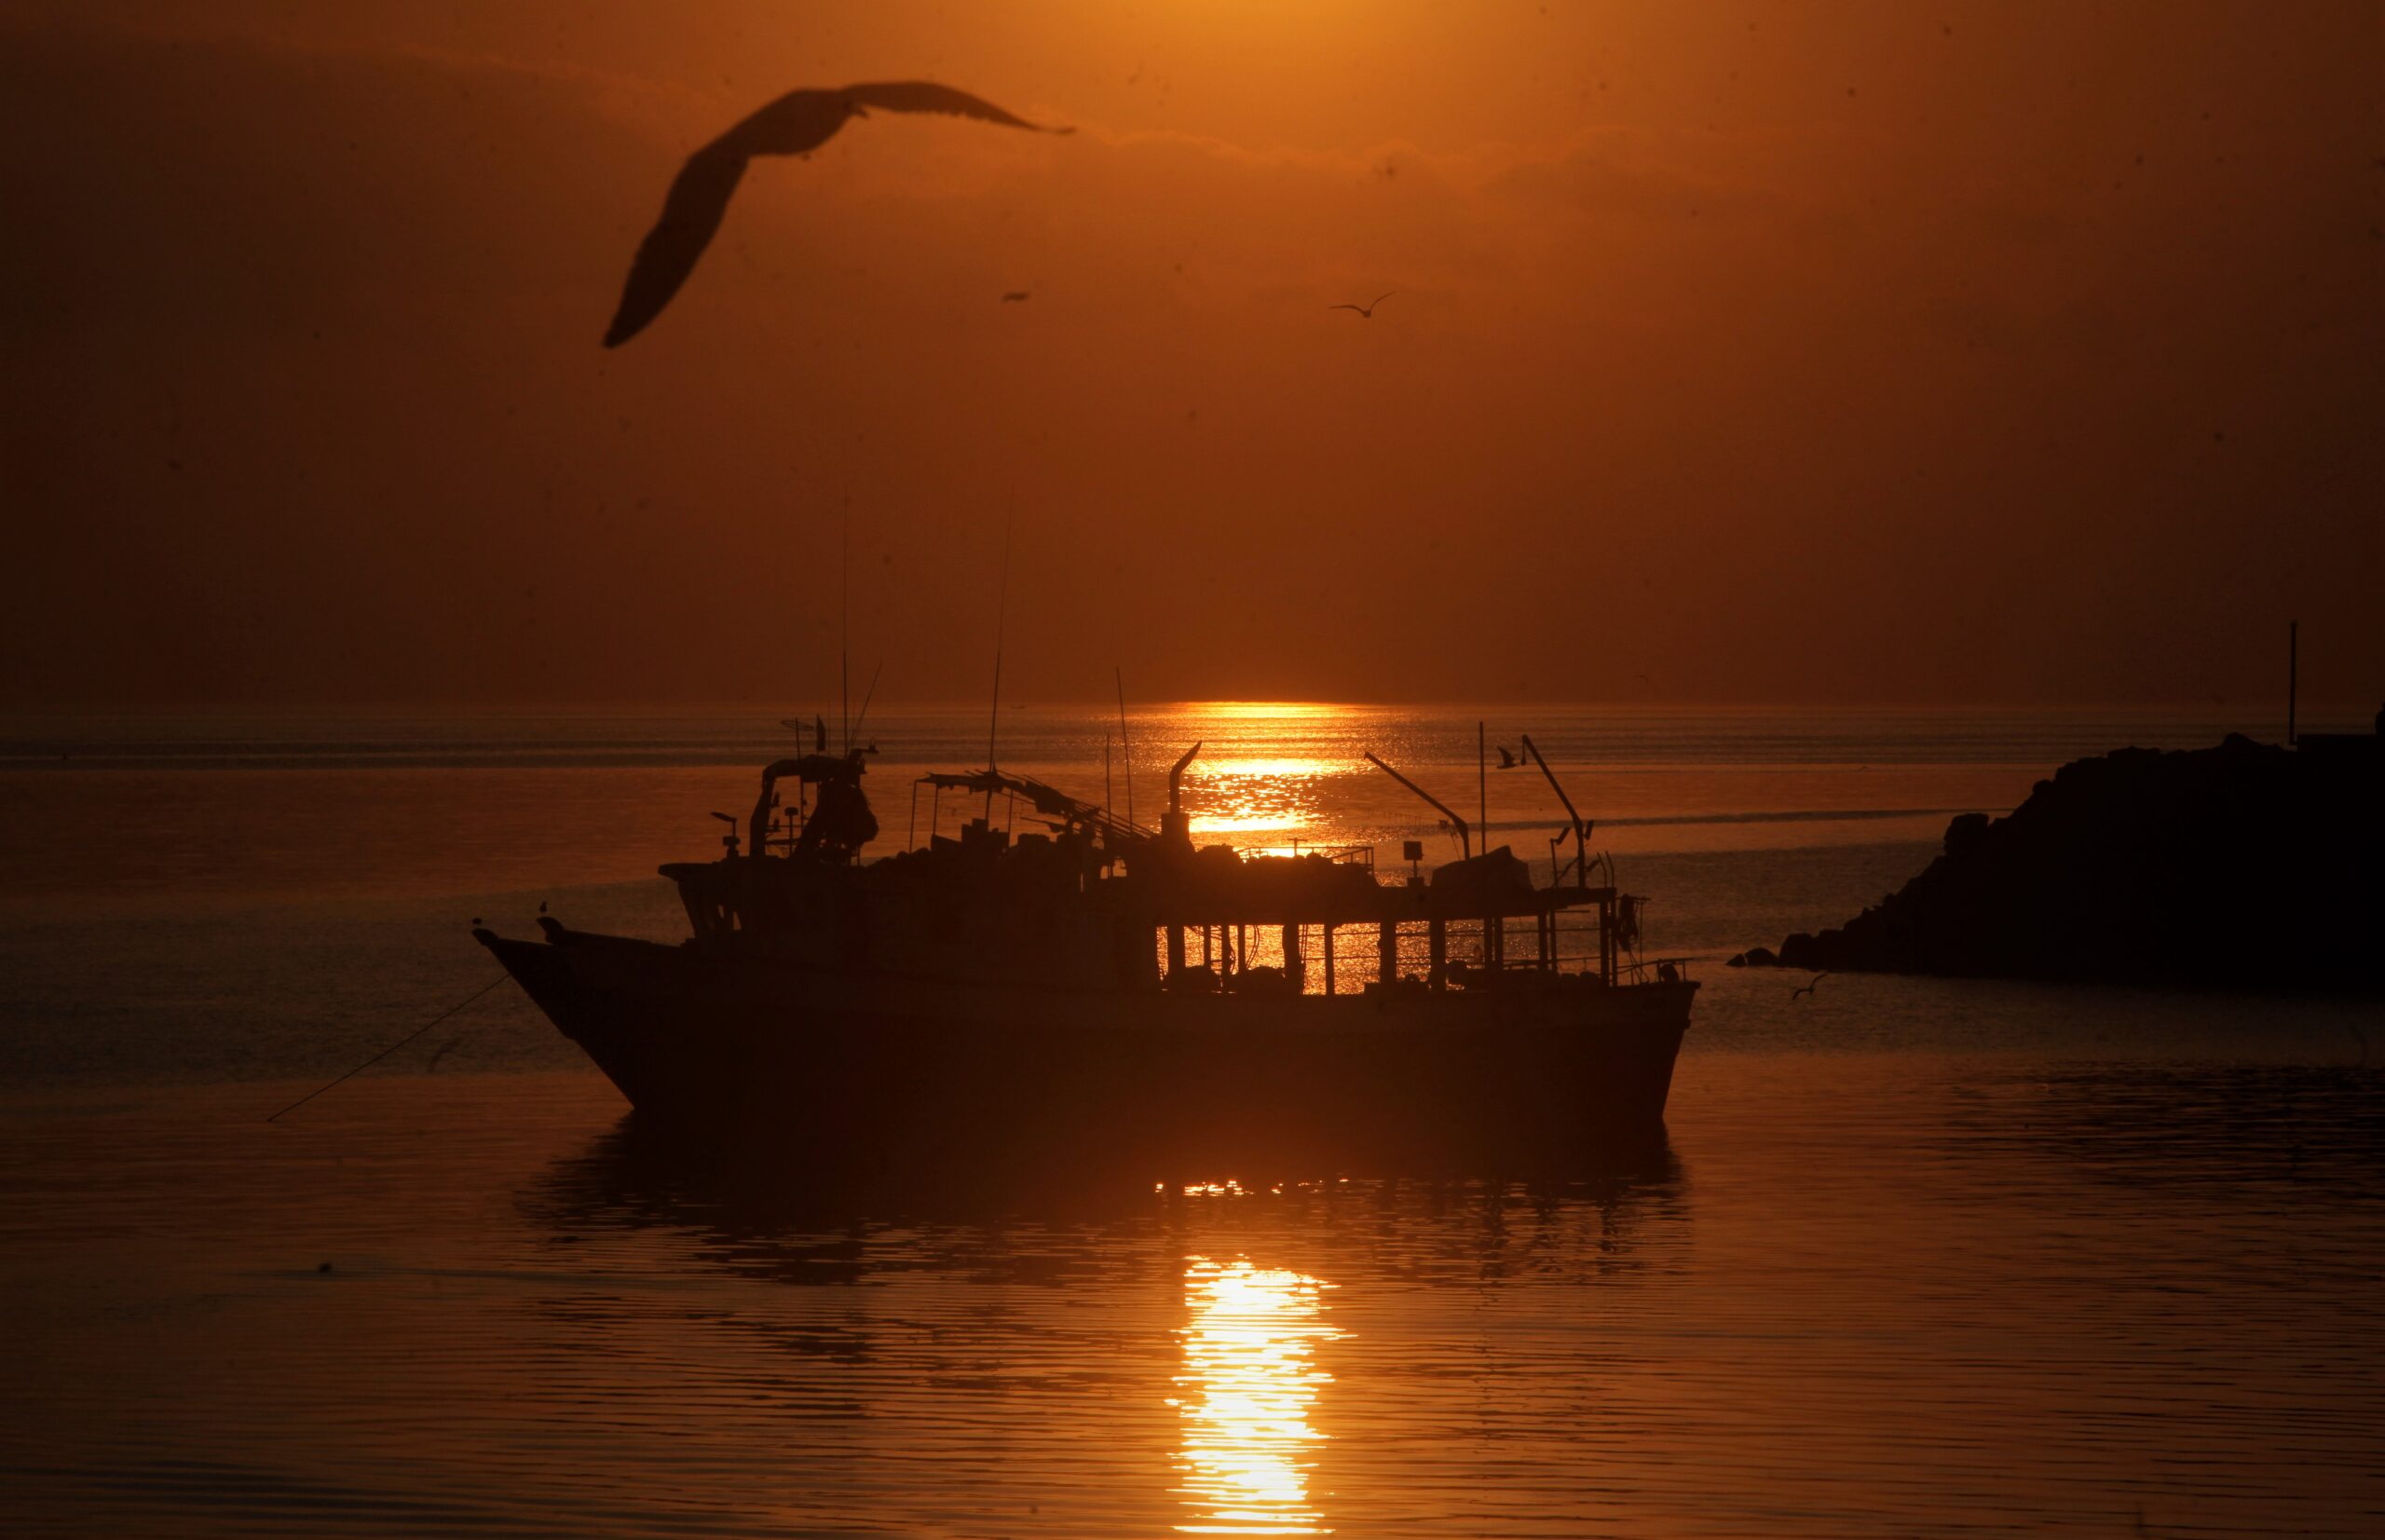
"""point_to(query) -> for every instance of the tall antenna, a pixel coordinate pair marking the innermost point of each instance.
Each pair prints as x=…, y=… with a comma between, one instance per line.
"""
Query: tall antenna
x=1482, y=773
x=1126, y=749
x=1002, y=611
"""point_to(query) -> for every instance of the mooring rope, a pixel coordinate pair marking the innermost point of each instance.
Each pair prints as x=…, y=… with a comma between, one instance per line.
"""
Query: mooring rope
x=395, y=1046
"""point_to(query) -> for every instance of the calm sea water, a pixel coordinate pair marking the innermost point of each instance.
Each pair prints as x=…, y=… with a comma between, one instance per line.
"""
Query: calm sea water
x=1922, y=1257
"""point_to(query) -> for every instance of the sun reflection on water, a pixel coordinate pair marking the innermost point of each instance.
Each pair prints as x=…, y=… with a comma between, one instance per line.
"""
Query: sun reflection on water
x=1251, y=795
x=1251, y=1380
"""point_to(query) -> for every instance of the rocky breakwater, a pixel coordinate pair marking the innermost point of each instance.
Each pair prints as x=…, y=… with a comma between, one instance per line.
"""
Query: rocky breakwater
x=2247, y=866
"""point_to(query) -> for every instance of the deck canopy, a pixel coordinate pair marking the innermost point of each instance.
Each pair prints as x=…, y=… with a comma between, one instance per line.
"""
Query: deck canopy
x=1049, y=800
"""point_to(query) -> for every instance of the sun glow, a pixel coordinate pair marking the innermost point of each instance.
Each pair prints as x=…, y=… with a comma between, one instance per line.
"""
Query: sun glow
x=1251, y=1381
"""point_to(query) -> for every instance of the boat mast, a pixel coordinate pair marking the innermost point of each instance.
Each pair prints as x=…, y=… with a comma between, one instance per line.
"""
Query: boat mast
x=862, y=715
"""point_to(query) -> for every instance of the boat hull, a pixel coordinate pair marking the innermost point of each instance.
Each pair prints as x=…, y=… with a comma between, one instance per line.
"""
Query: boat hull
x=941, y=1075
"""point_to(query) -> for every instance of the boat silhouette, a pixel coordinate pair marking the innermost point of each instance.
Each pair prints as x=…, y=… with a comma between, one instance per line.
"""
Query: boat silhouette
x=1093, y=989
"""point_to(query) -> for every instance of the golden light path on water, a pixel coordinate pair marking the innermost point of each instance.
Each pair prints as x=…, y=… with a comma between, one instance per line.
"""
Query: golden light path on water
x=1251, y=1381
x=1275, y=776
x=1259, y=796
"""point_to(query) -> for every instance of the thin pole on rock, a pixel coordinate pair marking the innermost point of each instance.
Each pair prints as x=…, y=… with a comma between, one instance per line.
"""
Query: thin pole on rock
x=844, y=636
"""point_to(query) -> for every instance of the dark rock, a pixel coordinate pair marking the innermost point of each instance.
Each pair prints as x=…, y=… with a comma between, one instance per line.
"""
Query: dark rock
x=2245, y=865
x=1963, y=834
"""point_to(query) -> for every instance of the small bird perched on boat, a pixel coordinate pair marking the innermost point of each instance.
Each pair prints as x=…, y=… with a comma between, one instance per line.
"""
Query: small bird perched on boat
x=1507, y=757
x=1807, y=987
x=795, y=124
x=1367, y=311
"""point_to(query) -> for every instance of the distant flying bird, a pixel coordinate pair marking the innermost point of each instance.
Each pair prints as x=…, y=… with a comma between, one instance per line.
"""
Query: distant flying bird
x=1016, y=296
x=1807, y=987
x=796, y=123
x=1366, y=312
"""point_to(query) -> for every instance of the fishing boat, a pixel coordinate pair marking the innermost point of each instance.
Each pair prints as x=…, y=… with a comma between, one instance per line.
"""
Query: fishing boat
x=1054, y=982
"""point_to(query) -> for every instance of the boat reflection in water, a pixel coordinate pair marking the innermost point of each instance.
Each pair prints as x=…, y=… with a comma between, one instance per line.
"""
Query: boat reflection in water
x=1249, y=1382
x=1104, y=1358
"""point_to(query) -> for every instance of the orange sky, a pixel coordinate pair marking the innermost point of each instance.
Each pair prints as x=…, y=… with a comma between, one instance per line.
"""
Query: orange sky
x=1999, y=352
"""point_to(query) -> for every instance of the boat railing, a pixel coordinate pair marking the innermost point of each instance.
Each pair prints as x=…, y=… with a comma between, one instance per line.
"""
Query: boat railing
x=1354, y=855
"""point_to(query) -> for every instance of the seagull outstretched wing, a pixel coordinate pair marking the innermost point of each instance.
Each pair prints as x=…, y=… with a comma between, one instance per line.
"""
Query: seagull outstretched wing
x=691, y=213
x=926, y=96
x=794, y=124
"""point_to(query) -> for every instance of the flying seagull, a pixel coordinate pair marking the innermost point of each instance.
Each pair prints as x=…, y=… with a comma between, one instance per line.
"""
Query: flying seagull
x=796, y=123
x=1367, y=311
x=1807, y=987
x=1016, y=296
